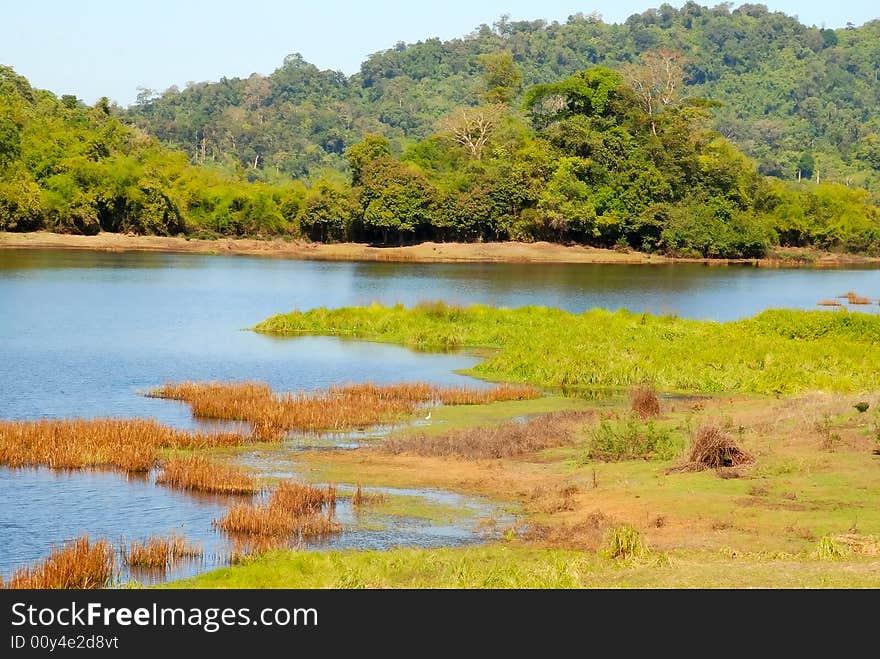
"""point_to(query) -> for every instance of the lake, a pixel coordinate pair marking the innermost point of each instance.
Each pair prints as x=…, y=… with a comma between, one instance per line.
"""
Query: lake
x=86, y=333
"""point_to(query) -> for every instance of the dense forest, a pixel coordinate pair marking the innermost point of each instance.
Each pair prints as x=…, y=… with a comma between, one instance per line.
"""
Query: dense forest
x=799, y=100
x=616, y=136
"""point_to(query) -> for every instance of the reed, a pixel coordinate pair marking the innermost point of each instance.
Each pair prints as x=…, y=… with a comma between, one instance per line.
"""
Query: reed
x=505, y=440
x=158, y=553
x=80, y=564
x=361, y=498
x=265, y=520
x=130, y=445
x=853, y=298
x=245, y=547
x=300, y=498
x=292, y=508
x=200, y=474
x=337, y=408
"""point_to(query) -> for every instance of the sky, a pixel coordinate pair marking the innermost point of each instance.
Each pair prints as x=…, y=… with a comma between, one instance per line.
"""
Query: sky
x=94, y=48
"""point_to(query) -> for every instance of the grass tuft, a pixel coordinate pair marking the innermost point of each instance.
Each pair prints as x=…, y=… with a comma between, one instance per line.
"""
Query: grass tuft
x=158, y=553
x=292, y=509
x=80, y=564
x=624, y=543
x=197, y=473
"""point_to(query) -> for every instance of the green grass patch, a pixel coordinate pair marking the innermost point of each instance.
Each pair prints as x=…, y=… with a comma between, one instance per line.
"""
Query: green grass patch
x=414, y=506
x=514, y=566
x=778, y=351
x=456, y=417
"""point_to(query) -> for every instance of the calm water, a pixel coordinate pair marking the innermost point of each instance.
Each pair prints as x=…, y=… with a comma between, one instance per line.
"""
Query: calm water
x=52, y=507
x=84, y=333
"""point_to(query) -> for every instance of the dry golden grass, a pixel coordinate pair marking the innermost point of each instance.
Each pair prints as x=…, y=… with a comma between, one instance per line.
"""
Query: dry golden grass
x=275, y=522
x=505, y=440
x=129, y=445
x=200, y=474
x=159, y=553
x=854, y=298
x=293, y=508
x=301, y=498
x=79, y=564
x=334, y=409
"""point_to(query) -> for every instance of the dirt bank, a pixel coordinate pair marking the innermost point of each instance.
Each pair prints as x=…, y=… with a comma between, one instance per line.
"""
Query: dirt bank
x=508, y=252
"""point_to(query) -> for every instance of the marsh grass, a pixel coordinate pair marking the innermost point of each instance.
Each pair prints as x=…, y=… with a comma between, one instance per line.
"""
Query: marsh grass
x=777, y=351
x=158, y=553
x=81, y=564
x=127, y=445
x=292, y=509
x=334, y=409
x=199, y=474
x=491, y=442
x=360, y=498
x=854, y=298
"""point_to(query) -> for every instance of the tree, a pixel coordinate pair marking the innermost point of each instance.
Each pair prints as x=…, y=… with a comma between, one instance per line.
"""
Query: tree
x=362, y=154
x=472, y=127
x=502, y=78
x=592, y=92
x=657, y=82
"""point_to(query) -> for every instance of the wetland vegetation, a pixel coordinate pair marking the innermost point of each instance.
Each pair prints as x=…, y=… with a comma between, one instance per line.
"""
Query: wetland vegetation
x=777, y=351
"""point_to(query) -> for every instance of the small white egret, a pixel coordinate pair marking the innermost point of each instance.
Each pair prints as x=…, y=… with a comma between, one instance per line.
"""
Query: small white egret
x=428, y=417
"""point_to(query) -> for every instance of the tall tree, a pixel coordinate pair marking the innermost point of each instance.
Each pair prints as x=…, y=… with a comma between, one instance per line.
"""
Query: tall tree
x=657, y=81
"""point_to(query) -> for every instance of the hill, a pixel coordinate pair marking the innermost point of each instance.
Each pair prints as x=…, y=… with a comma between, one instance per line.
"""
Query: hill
x=799, y=100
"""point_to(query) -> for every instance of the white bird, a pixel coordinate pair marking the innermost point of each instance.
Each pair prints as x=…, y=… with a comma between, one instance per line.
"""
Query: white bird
x=428, y=417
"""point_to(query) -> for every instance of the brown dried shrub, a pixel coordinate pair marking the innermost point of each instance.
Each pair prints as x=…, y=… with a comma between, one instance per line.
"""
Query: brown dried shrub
x=505, y=440
x=644, y=401
x=713, y=448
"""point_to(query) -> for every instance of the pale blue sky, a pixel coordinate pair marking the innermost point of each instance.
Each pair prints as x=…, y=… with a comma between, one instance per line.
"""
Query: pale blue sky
x=109, y=47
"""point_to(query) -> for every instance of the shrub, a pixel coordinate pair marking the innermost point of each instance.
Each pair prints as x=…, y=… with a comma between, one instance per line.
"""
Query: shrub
x=644, y=401
x=631, y=439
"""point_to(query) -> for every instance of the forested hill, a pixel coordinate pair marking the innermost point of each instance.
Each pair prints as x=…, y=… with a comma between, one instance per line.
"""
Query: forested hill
x=800, y=100
x=601, y=157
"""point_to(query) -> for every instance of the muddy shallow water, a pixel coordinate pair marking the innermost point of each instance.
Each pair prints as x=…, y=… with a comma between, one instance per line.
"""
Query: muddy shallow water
x=43, y=507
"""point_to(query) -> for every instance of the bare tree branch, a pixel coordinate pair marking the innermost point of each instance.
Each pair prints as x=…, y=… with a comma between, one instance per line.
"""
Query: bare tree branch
x=472, y=127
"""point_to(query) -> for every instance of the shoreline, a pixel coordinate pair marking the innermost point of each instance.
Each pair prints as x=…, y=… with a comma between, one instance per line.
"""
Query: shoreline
x=428, y=252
